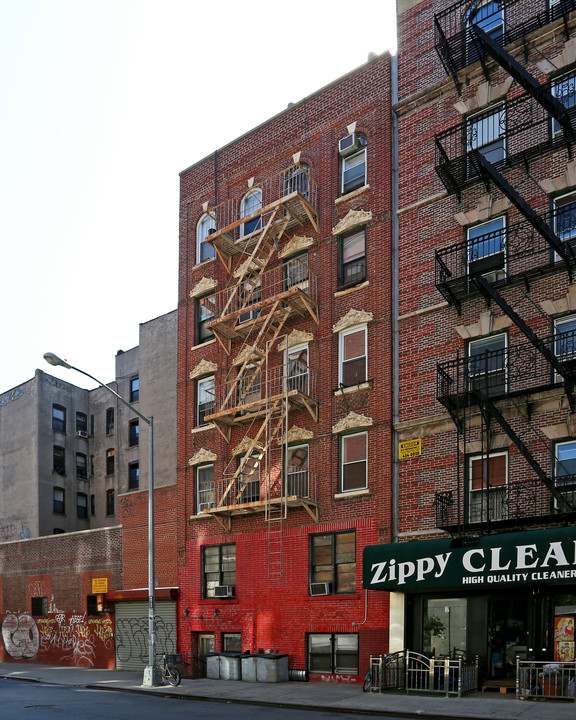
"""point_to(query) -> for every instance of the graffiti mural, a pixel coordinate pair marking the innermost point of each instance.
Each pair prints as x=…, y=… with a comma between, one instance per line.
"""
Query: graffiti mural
x=20, y=636
x=60, y=639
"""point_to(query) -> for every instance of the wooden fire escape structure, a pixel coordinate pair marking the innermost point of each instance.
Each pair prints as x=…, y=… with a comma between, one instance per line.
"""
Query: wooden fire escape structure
x=251, y=316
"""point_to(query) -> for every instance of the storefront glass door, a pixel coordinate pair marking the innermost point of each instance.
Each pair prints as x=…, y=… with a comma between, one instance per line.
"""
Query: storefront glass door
x=507, y=636
x=444, y=627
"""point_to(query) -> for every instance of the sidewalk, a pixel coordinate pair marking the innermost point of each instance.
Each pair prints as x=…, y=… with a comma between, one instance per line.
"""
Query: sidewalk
x=305, y=695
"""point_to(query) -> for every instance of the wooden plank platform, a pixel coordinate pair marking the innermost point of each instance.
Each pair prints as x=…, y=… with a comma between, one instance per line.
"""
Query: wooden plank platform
x=502, y=685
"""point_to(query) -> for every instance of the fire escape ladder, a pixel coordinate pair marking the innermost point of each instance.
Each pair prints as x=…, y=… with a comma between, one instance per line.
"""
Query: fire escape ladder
x=487, y=404
x=250, y=462
x=487, y=170
x=540, y=93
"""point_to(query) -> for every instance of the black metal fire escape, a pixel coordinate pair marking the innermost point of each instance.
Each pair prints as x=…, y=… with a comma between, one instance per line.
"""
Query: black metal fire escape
x=457, y=394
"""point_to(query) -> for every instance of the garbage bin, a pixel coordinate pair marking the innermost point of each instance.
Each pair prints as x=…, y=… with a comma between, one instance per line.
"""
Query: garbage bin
x=230, y=667
x=272, y=667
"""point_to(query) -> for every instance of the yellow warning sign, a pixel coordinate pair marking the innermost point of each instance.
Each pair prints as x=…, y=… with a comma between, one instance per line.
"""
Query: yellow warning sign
x=99, y=585
x=410, y=448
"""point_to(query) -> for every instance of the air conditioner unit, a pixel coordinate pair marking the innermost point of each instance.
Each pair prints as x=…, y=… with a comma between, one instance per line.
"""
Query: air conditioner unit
x=224, y=591
x=348, y=145
x=320, y=588
x=82, y=433
x=204, y=506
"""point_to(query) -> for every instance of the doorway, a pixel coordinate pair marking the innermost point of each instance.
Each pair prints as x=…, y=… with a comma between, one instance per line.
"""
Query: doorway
x=507, y=636
x=205, y=646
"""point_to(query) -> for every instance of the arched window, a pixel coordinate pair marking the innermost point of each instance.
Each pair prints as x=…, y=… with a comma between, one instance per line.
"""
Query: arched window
x=297, y=179
x=251, y=202
x=206, y=226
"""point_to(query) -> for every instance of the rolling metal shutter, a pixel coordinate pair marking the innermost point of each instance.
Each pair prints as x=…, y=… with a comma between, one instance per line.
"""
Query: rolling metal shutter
x=131, y=626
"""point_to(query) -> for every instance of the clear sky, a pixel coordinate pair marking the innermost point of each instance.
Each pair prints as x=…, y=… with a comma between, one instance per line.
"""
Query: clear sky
x=102, y=104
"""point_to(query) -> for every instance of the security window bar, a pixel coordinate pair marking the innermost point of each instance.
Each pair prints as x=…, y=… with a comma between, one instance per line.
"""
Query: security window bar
x=486, y=134
x=564, y=89
x=333, y=653
x=333, y=561
x=297, y=369
x=218, y=568
x=296, y=272
x=248, y=487
x=297, y=179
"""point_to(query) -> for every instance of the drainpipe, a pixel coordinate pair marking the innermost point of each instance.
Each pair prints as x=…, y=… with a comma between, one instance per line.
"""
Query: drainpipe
x=395, y=299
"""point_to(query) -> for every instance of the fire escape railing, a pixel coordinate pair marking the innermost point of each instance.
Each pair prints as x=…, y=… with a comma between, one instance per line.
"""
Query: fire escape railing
x=509, y=20
x=516, y=501
x=517, y=251
x=517, y=370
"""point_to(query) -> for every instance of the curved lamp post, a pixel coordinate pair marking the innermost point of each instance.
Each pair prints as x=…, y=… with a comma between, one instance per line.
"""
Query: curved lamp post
x=149, y=671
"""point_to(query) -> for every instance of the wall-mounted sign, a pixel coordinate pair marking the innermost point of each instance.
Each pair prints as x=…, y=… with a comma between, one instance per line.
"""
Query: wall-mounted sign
x=493, y=560
x=99, y=585
x=410, y=448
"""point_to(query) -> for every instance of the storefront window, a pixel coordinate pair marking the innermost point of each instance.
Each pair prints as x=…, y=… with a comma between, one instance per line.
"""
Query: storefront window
x=444, y=627
x=564, y=620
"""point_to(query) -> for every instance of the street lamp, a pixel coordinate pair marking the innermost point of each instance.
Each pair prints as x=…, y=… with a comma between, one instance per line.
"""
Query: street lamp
x=149, y=671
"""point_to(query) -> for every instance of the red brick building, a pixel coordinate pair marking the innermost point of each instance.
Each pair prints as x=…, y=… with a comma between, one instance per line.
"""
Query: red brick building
x=284, y=424
x=487, y=315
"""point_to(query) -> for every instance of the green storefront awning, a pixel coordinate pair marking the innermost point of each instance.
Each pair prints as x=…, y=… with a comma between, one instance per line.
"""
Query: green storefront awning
x=547, y=556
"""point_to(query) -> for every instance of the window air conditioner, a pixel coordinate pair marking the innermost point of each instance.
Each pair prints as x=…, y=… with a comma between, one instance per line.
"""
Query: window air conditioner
x=348, y=145
x=224, y=591
x=320, y=588
x=82, y=433
x=204, y=506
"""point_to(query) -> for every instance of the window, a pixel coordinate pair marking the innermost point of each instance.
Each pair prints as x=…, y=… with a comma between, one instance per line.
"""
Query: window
x=565, y=220
x=352, y=353
x=94, y=605
x=91, y=424
x=564, y=89
x=249, y=293
x=444, y=628
x=59, y=460
x=205, y=312
x=218, y=570
x=297, y=179
x=485, y=133
x=81, y=466
x=333, y=561
x=296, y=272
x=565, y=339
x=133, y=476
x=91, y=464
x=58, y=504
x=250, y=386
x=206, y=226
x=352, y=258
x=204, y=487
x=333, y=653
x=135, y=388
x=297, y=369
x=354, y=462
x=231, y=642
x=110, y=461
x=487, y=364
x=58, y=418
x=565, y=470
x=133, y=433
x=251, y=203
x=39, y=606
x=109, y=502
x=353, y=168
x=110, y=421
x=82, y=423
x=489, y=17
x=297, y=471
x=487, y=481
x=92, y=505
x=82, y=505
x=248, y=483
x=486, y=246
x=205, y=398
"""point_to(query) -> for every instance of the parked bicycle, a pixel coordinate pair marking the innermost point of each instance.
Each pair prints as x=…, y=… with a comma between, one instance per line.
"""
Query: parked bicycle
x=367, y=682
x=170, y=673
